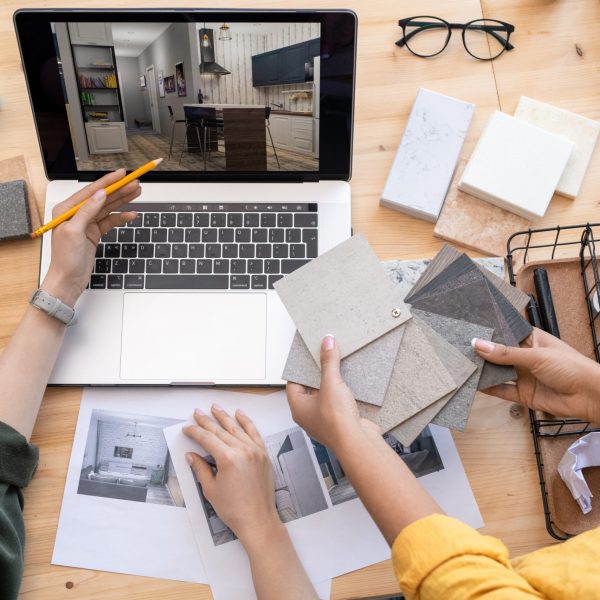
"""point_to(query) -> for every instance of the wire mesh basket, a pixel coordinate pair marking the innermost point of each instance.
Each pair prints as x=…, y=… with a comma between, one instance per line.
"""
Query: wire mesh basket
x=546, y=245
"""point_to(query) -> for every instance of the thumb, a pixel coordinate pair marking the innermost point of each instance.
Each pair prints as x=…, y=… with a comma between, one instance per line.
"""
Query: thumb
x=330, y=361
x=86, y=214
x=505, y=355
x=202, y=470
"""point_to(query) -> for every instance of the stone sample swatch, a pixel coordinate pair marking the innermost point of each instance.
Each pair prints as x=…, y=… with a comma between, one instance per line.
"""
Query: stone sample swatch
x=516, y=166
x=366, y=372
x=583, y=132
x=427, y=155
x=345, y=292
x=419, y=379
x=474, y=223
x=15, y=221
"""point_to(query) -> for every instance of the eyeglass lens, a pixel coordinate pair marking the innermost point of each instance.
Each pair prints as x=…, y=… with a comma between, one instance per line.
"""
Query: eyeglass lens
x=485, y=38
x=426, y=36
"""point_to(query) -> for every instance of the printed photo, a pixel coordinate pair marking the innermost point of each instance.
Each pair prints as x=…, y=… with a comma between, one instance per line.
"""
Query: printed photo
x=126, y=458
x=169, y=84
x=298, y=491
x=421, y=457
x=180, y=79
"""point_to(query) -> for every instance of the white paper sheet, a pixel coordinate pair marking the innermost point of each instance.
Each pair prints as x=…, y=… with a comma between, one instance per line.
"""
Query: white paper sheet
x=333, y=540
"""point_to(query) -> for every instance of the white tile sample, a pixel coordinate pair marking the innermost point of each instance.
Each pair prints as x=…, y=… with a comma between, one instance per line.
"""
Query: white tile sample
x=428, y=154
x=583, y=132
x=516, y=166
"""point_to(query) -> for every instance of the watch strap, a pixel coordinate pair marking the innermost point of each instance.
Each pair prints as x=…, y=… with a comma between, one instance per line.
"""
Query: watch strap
x=53, y=307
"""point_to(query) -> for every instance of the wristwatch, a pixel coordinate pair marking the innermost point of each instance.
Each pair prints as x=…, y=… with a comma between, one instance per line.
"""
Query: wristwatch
x=53, y=307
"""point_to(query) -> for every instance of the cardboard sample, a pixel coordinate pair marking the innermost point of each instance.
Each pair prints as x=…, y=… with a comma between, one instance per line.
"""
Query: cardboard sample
x=419, y=379
x=366, y=372
x=583, y=132
x=474, y=223
x=516, y=166
x=427, y=155
x=344, y=292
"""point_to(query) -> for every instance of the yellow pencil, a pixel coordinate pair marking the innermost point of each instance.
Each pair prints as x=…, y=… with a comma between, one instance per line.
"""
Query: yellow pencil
x=113, y=187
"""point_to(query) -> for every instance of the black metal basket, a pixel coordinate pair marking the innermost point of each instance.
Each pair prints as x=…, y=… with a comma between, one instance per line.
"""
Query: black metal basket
x=547, y=245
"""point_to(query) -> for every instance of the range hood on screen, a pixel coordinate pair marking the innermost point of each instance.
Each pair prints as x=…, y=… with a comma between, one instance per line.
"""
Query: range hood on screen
x=207, y=55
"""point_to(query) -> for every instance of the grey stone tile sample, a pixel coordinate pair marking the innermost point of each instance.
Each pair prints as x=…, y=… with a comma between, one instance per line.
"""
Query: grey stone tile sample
x=366, y=372
x=15, y=220
x=460, y=369
x=345, y=292
x=418, y=380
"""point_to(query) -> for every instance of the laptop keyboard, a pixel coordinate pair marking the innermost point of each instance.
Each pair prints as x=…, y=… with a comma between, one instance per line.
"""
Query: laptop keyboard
x=211, y=246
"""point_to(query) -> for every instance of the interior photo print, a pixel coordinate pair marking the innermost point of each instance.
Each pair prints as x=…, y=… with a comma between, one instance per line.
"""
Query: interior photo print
x=298, y=491
x=126, y=458
x=421, y=457
x=221, y=96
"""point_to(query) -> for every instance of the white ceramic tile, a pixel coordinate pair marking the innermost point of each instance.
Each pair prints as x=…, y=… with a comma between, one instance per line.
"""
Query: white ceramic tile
x=516, y=166
x=428, y=154
x=583, y=132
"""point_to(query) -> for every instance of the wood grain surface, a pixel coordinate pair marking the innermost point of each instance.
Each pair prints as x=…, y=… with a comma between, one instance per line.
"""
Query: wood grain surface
x=556, y=58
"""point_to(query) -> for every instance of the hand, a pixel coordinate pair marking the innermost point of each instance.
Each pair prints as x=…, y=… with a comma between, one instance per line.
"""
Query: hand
x=552, y=376
x=241, y=491
x=74, y=242
x=330, y=414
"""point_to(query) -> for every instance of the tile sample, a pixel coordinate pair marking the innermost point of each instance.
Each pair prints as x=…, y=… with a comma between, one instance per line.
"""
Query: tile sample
x=15, y=221
x=583, y=132
x=460, y=369
x=474, y=223
x=427, y=155
x=516, y=166
x=419, y=379
x=366, y=372
x=344, y=292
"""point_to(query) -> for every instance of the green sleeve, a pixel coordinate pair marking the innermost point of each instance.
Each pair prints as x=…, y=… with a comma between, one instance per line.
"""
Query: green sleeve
x=18, y=462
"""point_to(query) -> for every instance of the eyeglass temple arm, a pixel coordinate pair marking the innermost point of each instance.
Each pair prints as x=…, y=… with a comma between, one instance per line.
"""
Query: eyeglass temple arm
x=491, y=29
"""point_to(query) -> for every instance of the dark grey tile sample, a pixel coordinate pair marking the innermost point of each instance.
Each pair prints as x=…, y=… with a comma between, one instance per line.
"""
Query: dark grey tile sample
x=15, y=220
x=366, y=372
x=455, y=413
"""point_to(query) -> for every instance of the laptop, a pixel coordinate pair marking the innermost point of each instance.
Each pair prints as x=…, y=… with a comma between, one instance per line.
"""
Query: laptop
x=252, y=113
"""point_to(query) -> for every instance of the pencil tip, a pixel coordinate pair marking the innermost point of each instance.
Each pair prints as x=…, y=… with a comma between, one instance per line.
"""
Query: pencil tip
x=157, y=161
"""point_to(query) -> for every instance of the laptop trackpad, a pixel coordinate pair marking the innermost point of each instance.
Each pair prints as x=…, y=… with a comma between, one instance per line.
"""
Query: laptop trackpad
x=196, y=337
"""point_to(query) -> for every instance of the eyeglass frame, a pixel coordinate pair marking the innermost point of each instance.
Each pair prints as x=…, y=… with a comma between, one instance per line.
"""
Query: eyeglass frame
x=449, y=27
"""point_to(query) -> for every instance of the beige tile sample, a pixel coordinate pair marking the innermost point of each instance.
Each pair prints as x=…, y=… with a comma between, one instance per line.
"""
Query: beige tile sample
x=366, y=372
x=345, y=292
x=419, y=379
x=474, y=223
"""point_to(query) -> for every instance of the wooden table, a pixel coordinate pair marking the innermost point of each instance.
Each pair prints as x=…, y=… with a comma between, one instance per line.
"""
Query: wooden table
x=496, y=449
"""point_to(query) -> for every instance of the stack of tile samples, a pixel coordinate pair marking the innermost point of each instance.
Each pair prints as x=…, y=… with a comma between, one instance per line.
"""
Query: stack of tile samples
x=407, y=366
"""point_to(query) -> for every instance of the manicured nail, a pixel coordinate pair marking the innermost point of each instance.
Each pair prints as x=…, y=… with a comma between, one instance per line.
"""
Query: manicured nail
x=328, y=342
x=198, y=412
x=241, y=412
x=215, y=406
x=482, y=345
x=99, y=196
x=190, y=458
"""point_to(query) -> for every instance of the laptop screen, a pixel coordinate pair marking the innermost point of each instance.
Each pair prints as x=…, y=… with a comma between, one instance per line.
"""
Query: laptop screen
x=216, y=96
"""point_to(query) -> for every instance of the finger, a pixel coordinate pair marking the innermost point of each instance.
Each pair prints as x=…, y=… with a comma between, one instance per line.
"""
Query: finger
x=122, y=196
x=88, y=191
x=500, y=354
x=115, y=220
x=208, y=440
x=90, y=210
x=248, y=426
x=301, y=403
x=202, y=470
x=228, y=423
x=505, y=391
x=215, y=428
x=330, y=361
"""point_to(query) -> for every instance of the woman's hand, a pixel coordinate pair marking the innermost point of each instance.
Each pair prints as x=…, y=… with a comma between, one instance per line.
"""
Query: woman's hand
x=74, y=242
x=241, y=490
x=552, y=376
x=330, y=414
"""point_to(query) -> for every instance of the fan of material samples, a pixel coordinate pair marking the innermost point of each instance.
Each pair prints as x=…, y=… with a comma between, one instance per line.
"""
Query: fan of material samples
x=407, y=366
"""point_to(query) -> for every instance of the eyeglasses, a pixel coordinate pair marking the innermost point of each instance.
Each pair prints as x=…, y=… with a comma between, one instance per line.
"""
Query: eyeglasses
x=484, y=39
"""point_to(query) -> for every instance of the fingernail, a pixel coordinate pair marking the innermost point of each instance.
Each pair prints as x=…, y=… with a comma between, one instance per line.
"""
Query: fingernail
x=482, y=345
x=198, y=412
x=215, y=406
x=328, y=342
x=99, y=195
x=241, y=412
x=190, y=458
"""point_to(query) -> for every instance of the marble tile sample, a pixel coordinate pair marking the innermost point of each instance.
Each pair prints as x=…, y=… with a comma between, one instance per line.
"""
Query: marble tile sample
x=516, y=166
x=366, y=372
x=474, y=223
x=427, y=155
x=583, y=132
x=344, y=292
x=419, y=378
x=459, y=367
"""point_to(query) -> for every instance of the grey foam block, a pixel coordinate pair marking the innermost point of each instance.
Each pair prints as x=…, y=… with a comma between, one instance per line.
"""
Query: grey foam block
x=345, y=292
x=15, y=221
x=366, y=372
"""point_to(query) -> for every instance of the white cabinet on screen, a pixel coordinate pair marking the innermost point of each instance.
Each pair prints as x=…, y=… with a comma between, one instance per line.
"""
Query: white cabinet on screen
x=106, y=138
x=292, y=132
x=91, y=34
